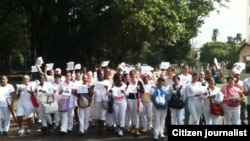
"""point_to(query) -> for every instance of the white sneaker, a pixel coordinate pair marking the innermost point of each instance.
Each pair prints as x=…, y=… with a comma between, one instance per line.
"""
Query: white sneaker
x=156, y=138
x=120, y=133
x=145, y=130
x=162, y=136
x=20, y=132
x=28, y=131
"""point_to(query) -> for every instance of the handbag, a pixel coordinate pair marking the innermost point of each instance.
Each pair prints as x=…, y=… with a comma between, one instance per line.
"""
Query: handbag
x=50, y=107
x=215, y=108
x=83, y=101
x=34, y=101
x=63, y=104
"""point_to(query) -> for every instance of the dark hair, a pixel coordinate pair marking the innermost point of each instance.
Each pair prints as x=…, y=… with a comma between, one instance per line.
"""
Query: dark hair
x=160, y=79
x=209, y=78
x=176, y=77
x=171, y=68
x=57, y=76
x=117, y=76
x=230, y=78
x=194, y=74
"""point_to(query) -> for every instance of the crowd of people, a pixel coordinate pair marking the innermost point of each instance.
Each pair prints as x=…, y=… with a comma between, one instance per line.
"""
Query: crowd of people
x=129, y=101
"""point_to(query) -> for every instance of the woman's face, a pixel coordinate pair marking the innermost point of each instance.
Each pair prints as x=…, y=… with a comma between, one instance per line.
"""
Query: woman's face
x=195, y=78
x=211, y=82
x=4, y=80
x=230, y=82
x=26, y=80
x=176, y=80
x=100, y=75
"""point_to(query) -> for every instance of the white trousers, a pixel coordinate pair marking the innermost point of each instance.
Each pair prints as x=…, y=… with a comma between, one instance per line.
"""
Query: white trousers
x=146, y=115
x=45, y=118
x=4, y=112
x=231, y=115
x=159, y=121
x=195, y=108
x=84, y=117
x=67, y=120
x=210, y=118
x=120, y=113
x=100, y=112
x=177, y=116
x=132, y=107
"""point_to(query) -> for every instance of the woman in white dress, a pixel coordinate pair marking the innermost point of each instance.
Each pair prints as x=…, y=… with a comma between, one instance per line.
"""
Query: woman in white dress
x=24, y=106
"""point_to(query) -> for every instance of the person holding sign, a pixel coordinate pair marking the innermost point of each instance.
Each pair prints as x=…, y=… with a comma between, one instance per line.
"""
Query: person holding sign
x=100, y=99
x=65, y=90
x=85, y=92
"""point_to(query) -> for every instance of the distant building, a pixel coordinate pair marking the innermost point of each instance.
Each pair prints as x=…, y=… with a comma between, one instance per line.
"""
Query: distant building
x=244, y=52
x=248, y=21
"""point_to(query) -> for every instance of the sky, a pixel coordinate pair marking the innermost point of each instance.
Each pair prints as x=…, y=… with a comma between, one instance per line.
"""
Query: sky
x=229, y=22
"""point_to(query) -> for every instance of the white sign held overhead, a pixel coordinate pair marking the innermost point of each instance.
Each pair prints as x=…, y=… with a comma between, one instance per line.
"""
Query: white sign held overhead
x=70, y=66
x=34, y=69
x=164, y=65
x=146, y=69
x=105, y=64
x=39, y=61
x=216, y=63
x=239, y=67
x=49, y=66
x=77, y=66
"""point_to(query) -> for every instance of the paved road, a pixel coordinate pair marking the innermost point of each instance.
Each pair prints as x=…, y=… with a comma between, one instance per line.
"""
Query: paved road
x=91, y=135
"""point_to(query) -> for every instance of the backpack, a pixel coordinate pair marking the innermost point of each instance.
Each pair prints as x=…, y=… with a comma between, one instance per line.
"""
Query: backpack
x=160, y=99
x=176, y=100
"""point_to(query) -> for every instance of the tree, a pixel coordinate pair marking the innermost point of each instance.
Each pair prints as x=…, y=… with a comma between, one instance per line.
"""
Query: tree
x=215, y=35
x=238, y=38
x=92, y=31
x=212, y=50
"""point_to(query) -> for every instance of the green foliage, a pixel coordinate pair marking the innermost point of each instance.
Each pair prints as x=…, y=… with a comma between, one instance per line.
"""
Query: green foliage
x=90, y=31
x=212, y=50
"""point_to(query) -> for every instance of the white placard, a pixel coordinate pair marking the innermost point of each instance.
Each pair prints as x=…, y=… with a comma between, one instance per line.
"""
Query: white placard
x=216, y=63
x=39, y=61
x=99, y=87
x=128, y=70
x=239, y=67
x=105, y=64
x=82, y=89
x=77, y=66
x=70, y=66
x=34, y=69
x=146, y=69
x=122, y=66
x=49, y=66
x=164, y=65
x=67, y=91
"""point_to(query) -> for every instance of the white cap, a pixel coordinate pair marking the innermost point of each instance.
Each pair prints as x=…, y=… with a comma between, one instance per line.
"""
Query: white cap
x=58, y=70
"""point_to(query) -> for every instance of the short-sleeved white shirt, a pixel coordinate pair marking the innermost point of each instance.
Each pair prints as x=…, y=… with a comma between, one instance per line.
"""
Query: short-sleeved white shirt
x=246, y=87
x=5, y=92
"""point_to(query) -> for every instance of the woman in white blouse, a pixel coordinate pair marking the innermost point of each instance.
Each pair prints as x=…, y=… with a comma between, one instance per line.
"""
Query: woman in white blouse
x=120, y=103
x=212, y=93
x=194, y=91
x=177, y=114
